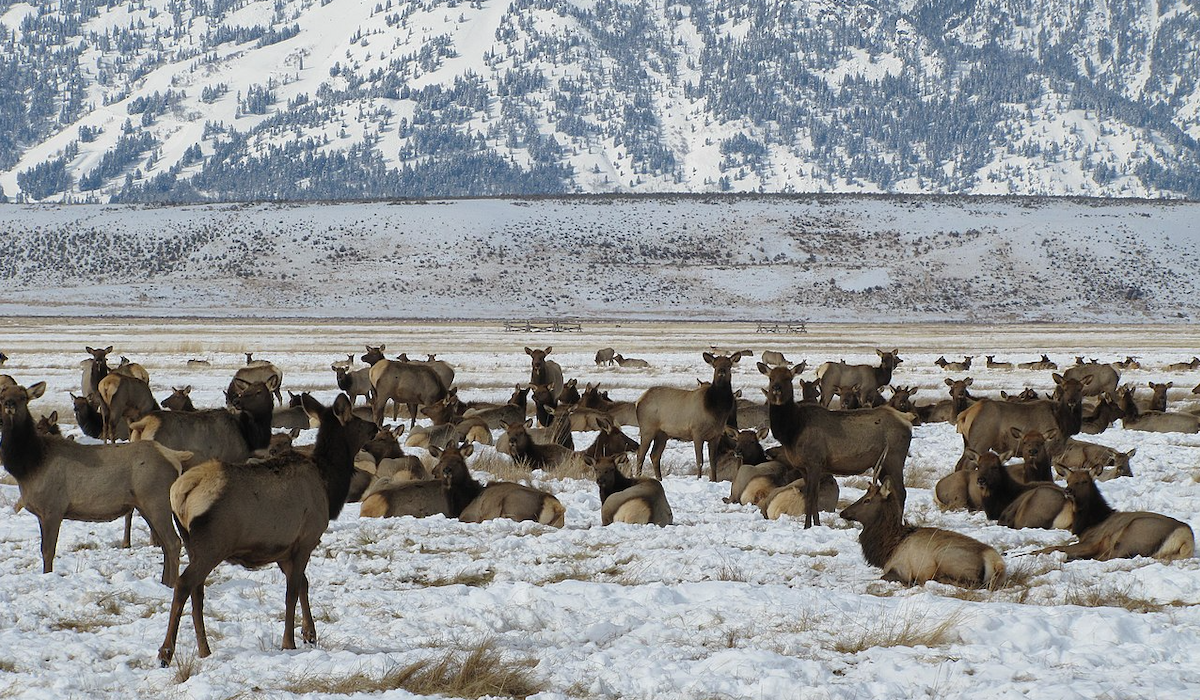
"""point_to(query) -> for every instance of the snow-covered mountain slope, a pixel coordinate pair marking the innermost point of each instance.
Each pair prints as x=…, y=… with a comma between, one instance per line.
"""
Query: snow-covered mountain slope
x=160, y=100
x=709, y=257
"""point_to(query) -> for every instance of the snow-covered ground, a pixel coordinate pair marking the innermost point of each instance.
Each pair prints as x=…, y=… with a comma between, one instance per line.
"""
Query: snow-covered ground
x=723, y=604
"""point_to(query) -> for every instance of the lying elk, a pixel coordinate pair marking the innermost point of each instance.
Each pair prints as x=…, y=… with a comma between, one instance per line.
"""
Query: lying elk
x=1104, y=533
x=1044, y=363
x=420, y=497
x=216, y=433
x=989, y=424
x=831, y=374
x=1103, y=378
x=180, y=400
x=1041, y=504
x=272, y=512
x=256, y=371
x=610, y=442
x=992, y=364
x=955, y=366
x=699, y=415
x=1129, y=362
x=626, y=500
x=1154, y=421
x=523, y=449
x=631, y=362
x=1106, y=412
x=1104, y=462
x=837, y=442
x=1158, y=397
x=472, y=502
x=789, y=498
x=948, y=410
x=605, y=357
x=512, y=412
x=913, y=555
x=62, y=479
x=1194, y=363
x=543, y=371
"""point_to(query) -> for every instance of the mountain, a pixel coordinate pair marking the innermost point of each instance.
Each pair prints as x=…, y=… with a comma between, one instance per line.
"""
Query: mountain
x=207, y=100
x=715, y=257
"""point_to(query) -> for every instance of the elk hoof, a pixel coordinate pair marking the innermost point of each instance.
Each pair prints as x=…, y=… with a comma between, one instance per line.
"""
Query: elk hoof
x=164, y=656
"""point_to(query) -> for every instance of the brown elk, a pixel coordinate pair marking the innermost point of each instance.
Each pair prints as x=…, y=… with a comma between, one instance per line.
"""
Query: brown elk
x=914, y=555
x=1040, y=504
x=699, y=415
x=1128, y=363
x=180, y=400
x=1158, y=399
x=544, y=402
x=630, y=362
x=256, y=371
x=408, y=383
x=955, y=366
x=610, y=442
x=120, y=395
x=959, y=490
x=133, y=369
x=472, y=502
x=259, y=514
x=291, y=416
x=1194, y=363
x=88, y=416
x=626, y=500
x=1104, y=378
x=993, y=364
x=605, y=357
x=840, y=443
x=354, y=383
x=1154, y=421
x=988, y=424
x=752, y=482
x=1104, y=533
x=570, y=393
x=1106, y=412
x=62, y=479
x=1031, y=448
x=512, y=412
x=789, y=498
x=543, y=371
x=831, y=374
x=1044, y=363
x=1104, y=462
x=948, y=410
x=1026, y=395
x=217, y=433
x=522, y=448
x=94, y=369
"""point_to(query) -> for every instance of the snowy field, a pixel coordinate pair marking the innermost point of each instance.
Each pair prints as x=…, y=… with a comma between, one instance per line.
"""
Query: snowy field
x=723, y=604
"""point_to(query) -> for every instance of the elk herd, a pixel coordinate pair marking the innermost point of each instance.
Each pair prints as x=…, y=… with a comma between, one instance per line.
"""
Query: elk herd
x=226, y=484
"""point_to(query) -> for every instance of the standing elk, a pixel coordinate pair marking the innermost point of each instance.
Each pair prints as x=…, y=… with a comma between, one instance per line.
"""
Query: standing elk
x=831, y=374
x=62, y=479
x=229, y=435
x=1104, y=533
x=94, y=369
x=988, y=425
x=914, y=555
x=256, y=371
x=354, y=383
x=259, y=514
x=406, y=383
x=1104, y=378
x=121, y=395
x=841, y=443
x=543, y=371
x=605, y=357
x=698, y=415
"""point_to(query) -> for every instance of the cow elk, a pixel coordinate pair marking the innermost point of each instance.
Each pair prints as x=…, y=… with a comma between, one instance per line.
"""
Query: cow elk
x=472, y=502
x=543, y=371
x=605, y=357
x=180, y=399
x=630, y=362
x=626, y=500
x=259, y=514
x=408, y=383
x=256, y=371
x=993, y=364
x=988, y=425
x=831, y=374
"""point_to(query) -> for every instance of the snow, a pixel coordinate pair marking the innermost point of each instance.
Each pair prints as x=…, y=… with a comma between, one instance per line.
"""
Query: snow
x=721, y=604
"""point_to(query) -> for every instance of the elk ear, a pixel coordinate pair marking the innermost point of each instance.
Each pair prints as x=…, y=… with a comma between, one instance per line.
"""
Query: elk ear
x=529, y=351
x=1015, y=432
x=968, y=381
x=35, y=390
x=529, y=423
x=435, y=451
x=949, y=381
x=187, y=390
x=708, y=357
x=885, y=487
x=737, y=394
x=53, y=417
x=1005, y=456
x=762, y=367
x=765, y=392
x=913, y=391
x=1061, y=470
x=798, y=369
x=762, y=432
x=343, y=409
x=108, y=349
x=730, y=431
x=1058, y=378
x=467, y=450
x=1131, y=452
x=294, y=433
x=879, y=352
x=272, y=382
x=738, y=355
x=311, y=406
x=1051, y=434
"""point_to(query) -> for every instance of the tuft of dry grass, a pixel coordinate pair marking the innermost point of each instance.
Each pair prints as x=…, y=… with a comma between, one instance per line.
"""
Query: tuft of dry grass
x=1103, y=595
x=900, y=630
x=481, y=671
x=186, y=666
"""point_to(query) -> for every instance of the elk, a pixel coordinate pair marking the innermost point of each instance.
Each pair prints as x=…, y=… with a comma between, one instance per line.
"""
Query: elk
x=959, y=490
x=992, y=364
x=443, y=369
x=626, y=500
x=472, y=502
x=699, y=415
x=1043, y=505
x=901, y=398
x=544, y=402
x=402, y=486
x=217, y=433
x=409, y=383
x=543, y=371
x=1104, y=378
x=570, y=393
x=130, y=368
x=913, y=555
x=272, y=512
x=354, y=383
x=346, y=363
x=1026, y=395
x=955, y=366
x=1158, y=400
x=61, y=479
x=841, y=443
x=256, y=371
x=752, y=482
x=1154, y=421
x=179, y=400
x=512, y=412
x=997, y=485
x=195, y=363
x=291, y=416
x=1104, y=462
x=94, y=369
x=605, y=357
x=374, y=354
x=774, y=359
x=1104, y=533
x=630, y=362
x=1035, y=464
x=831, y=374
x=789, y=498
x=121, y=394
x=522, y=448
x=1129, y=362
x=1194, y=363
x=88, y=416
x=1103, y=415
x=1044, y=363
x=988, y=424
x=610, y=442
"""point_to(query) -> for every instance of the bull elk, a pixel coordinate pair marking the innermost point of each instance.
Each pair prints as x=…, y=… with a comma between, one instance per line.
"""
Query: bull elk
x=831, y=374
x=699, y=415
x=273, y=512
x=914, y=555
x=837, y=442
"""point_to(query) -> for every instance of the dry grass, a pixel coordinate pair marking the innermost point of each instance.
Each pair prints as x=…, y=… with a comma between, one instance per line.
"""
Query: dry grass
x=83, y=623
x=481, y=671
x=900, y=630
x=186, y=666
x=1107, y=595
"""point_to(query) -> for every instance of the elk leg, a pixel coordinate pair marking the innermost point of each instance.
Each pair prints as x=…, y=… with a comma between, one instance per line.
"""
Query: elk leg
x=309, y=631
x=198, y=621
x=189, y=581
x=656, y=452
x=699, y=445
x=712, y=459
x=49, y=526
x=643, y=448
x=162, y=532
x=812, y=481
x=412, y=411
x=126, y=542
